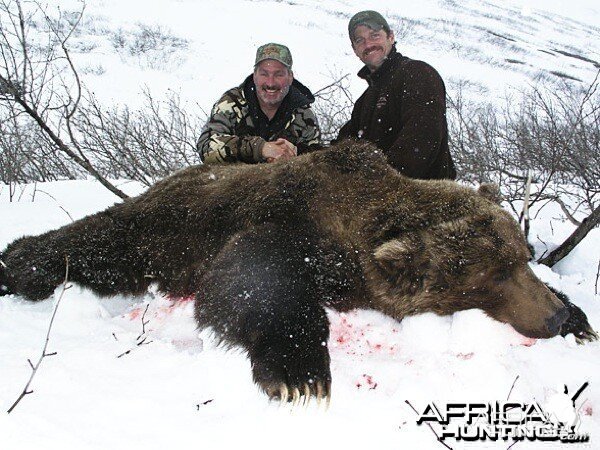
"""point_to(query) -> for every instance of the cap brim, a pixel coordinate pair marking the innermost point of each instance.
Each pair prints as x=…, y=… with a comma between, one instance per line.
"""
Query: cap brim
x=375, y=26
x=274, y=59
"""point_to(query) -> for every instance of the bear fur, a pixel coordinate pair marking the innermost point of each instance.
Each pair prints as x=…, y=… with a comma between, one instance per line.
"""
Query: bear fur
x=264, y=248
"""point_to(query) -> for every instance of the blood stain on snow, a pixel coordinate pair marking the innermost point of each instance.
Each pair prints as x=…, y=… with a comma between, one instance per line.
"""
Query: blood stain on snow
x=366, y=381
x=134, y=314
x=522, y=340
x=161, y=311
x=360, y=338
x=528, y=342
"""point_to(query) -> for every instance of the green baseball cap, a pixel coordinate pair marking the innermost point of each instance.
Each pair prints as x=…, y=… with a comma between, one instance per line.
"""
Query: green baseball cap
x=274, y=51
x=371, y=19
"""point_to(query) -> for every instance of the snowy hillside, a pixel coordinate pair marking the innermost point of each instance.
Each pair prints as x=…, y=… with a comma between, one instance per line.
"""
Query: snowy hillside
x=210, y=46
x=177, y=389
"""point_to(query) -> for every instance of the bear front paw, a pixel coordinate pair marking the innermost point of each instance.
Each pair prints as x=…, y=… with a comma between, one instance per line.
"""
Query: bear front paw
x=294, y=377
x=4, y=290
x=578, y=324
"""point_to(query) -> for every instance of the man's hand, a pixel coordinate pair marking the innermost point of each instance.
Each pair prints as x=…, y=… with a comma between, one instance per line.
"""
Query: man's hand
x=279, y=149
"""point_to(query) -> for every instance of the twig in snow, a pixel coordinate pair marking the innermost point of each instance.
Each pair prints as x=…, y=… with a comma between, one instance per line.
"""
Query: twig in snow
x=204, y=403
x=59, y=205
x=597, y=276
x=507, y=397
x=144, y=322
x=512, y=445
x=35, y=367
x=512, y=387
x=430, y=427
x=579, y=391
x=142, y=338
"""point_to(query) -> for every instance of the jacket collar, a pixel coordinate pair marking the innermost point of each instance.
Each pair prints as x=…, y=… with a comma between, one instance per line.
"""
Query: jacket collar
x=371, y=77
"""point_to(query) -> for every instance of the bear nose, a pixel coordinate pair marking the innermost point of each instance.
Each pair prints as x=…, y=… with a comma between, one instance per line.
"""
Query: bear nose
x=554, y=323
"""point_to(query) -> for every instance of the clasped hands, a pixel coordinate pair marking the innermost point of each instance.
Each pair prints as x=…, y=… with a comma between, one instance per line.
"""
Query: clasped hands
x=279, y=149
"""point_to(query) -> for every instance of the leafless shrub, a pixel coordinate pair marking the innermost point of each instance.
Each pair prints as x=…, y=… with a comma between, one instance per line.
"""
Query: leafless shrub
x=405, y=28
x=51, y=127
x=27, y=155
x=143, y=144
x=551, y=132
x=333, y=106
x=152, y=45
x=40, y=90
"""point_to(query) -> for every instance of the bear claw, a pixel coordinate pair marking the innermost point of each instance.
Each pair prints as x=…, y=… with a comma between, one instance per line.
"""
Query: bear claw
x=301, y=396
x=295, y=397
x=585, y=335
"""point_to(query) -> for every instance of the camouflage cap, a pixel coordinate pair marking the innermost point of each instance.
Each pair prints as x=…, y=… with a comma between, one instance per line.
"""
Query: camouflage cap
x=371, y=19
x=274, y=51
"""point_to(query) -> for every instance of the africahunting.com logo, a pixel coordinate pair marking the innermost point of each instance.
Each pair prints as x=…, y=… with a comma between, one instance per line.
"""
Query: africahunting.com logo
x=558, y=421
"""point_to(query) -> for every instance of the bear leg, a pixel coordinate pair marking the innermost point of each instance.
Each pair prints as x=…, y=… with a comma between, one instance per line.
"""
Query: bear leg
x=261, y=294
x=99, y=250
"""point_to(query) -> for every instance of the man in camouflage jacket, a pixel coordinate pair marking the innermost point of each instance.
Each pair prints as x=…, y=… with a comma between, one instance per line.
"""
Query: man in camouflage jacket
x=265, y=119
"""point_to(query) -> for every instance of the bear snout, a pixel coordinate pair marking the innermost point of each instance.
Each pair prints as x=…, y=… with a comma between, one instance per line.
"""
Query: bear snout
x=555, y=322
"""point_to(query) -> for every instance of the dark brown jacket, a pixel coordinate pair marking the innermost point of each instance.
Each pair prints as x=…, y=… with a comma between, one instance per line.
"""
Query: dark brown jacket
x=403, y=112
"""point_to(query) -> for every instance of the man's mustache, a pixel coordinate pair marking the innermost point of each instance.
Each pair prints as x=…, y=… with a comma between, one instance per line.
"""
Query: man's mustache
x=370, y=49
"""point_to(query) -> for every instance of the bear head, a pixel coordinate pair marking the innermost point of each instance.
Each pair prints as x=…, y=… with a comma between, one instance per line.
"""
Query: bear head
x=479, y=261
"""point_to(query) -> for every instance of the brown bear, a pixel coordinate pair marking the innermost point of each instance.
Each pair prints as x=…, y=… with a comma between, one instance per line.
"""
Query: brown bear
x=265, y=247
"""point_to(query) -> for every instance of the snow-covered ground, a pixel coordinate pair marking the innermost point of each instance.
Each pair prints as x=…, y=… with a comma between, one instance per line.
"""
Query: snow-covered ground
x=210, y=46
x=178, y=389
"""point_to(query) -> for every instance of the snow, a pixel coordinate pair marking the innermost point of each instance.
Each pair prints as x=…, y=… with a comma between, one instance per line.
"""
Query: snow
x=181, y=389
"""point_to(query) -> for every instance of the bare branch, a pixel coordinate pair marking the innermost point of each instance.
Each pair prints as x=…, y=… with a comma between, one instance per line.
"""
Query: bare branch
x=597, y=277
x=567, y=213
x=142, y=338
x=525, y=212
x=575, y=238
x=44, y=354
x=512, y=387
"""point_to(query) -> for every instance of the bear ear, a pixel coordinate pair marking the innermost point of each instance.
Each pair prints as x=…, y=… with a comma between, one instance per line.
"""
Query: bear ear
x=491, y=191
x=402, y=257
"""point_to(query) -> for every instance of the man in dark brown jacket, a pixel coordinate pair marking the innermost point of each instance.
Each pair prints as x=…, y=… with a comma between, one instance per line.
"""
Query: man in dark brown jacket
x=403, y=111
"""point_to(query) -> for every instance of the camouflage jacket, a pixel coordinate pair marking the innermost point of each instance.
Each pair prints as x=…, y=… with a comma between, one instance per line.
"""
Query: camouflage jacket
x=237, y=128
